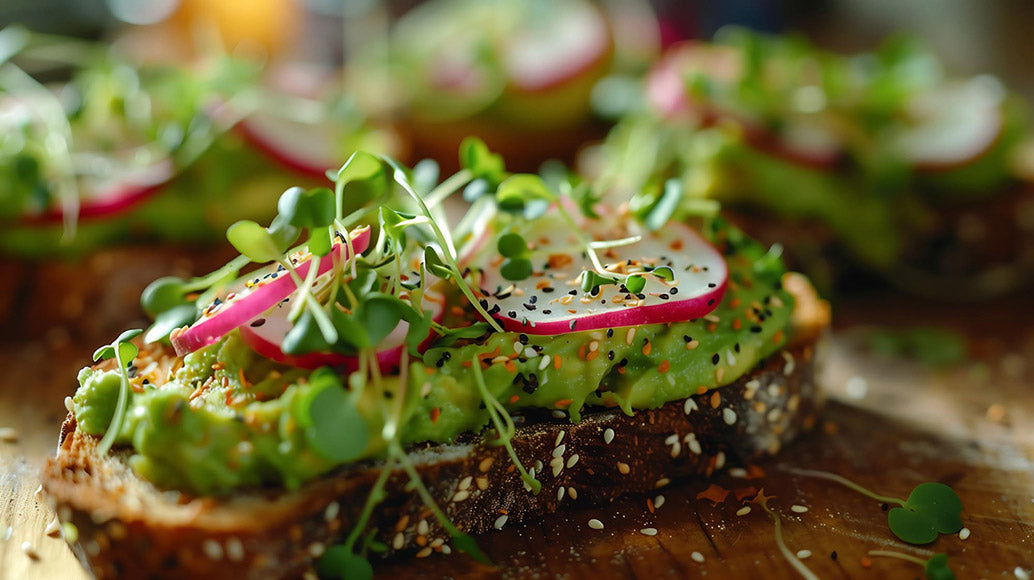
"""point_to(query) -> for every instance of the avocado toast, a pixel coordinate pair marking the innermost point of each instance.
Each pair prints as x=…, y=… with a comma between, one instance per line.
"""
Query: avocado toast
x=879, y=162
x=378, y=389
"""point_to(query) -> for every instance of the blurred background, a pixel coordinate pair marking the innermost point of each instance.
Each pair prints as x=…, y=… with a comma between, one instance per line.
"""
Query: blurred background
x=970, y=35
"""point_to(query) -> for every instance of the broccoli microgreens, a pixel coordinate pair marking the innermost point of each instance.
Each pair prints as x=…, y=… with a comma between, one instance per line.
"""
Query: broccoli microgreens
x=123, y=351
x=931, y=508
x=935, y=568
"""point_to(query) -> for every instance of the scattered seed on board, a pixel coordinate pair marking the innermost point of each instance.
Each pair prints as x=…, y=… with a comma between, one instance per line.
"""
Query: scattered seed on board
x=798, y=509
x=608, y=436
x=648, y=531
x=595, y=524
x=743, y=510
x=802, y=554
x=964, y=533
x=697, y=557
x=658, y=501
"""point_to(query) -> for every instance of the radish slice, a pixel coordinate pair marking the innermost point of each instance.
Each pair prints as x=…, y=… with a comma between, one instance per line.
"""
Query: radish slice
x=953, y=124
x=804, y=139
x=306, y=148
x=263, y=289
x=555, y=50
x=266, y=333
x=115, y=194
x=551, y=300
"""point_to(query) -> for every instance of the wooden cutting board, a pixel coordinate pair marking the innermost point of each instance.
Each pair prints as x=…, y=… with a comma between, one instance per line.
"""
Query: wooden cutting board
x=889, y=425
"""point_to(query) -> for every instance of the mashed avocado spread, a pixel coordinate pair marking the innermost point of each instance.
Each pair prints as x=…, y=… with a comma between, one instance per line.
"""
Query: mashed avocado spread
x=224, y=417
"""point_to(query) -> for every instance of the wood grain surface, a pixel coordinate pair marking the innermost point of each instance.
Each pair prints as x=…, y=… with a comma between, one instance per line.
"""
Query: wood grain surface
x=890, y=424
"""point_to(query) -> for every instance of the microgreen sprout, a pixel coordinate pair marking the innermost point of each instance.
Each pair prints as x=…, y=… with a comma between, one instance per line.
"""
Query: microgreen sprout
x=762, y=500
x=935, y=568
x=931, y=508
x=123, y=351
x=504, y=425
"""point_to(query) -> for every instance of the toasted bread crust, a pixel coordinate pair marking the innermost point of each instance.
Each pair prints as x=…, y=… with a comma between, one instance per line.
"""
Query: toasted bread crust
x=128, y=528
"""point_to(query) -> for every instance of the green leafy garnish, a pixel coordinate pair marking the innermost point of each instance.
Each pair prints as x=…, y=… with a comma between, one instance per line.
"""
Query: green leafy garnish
x=338, y=562
x=254, y=241
x=930, y=509
x=516, y=266
x=123, y=351
x=481, y=162
x=331, y=419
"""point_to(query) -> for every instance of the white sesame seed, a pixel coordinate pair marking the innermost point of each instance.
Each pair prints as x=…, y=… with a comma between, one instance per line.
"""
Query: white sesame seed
x=689, y=406
x=422, y=528
x=538, y=465
x=460, y=496
x=676, y=449
x=437, y=542
x=316, y=549
x=658, y=501
x=648, y=531
x=558, y=466
x=332, y=511
x=964, y=533
x=672, y=439
x=530, y=352
x=53, y=528
x=558, y=414
x=465, y=482
x=729, y=416
x=802, y=554
x=595, y=524
x=398, y=541
x=446, y=549
x=517, y=346
x=790, y=364
x=8, y=532
x=572, y=493
x=730, y=358
x=486, y=464
x=798, y=509
x=559, y=450
x=30, y=550
x=630, y=335
x=694, y=445
x=1021, y=574
x=560, y=493
x=608, y=436
x=559, y=438
x=212, y=549
x=69, y=405
x=697, y=557
x=738, y=472
x=235, y=550
x=544, y=362
x=500, y=521
x=662, y=482
x=572, y=460
x=719, y=460
x=425, y=552
x=743, y=510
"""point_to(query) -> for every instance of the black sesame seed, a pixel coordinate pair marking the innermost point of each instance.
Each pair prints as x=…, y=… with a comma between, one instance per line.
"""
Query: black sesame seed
x=715, y=359
x=662, y=296
x=833, y=555
x=529, y=306
x=547, y=311
x=533, y=299
x=610, y=333
x=736, y=347
x=573, y=292
x=884, y=507
x=711, y=285
x=548, y=289
x=687, y=338
x=674, y=291
x=257, y=322
x=710, y=302
x=610, y=355
x=512, y=314
x=755, y=329
x=523, y=338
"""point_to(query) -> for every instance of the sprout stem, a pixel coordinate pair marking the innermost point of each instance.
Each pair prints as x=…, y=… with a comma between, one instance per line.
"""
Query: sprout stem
x=898, y=555
x=846, y=483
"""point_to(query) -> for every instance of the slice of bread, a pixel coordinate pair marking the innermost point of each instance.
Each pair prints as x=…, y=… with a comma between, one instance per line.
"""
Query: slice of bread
x=129, y=528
